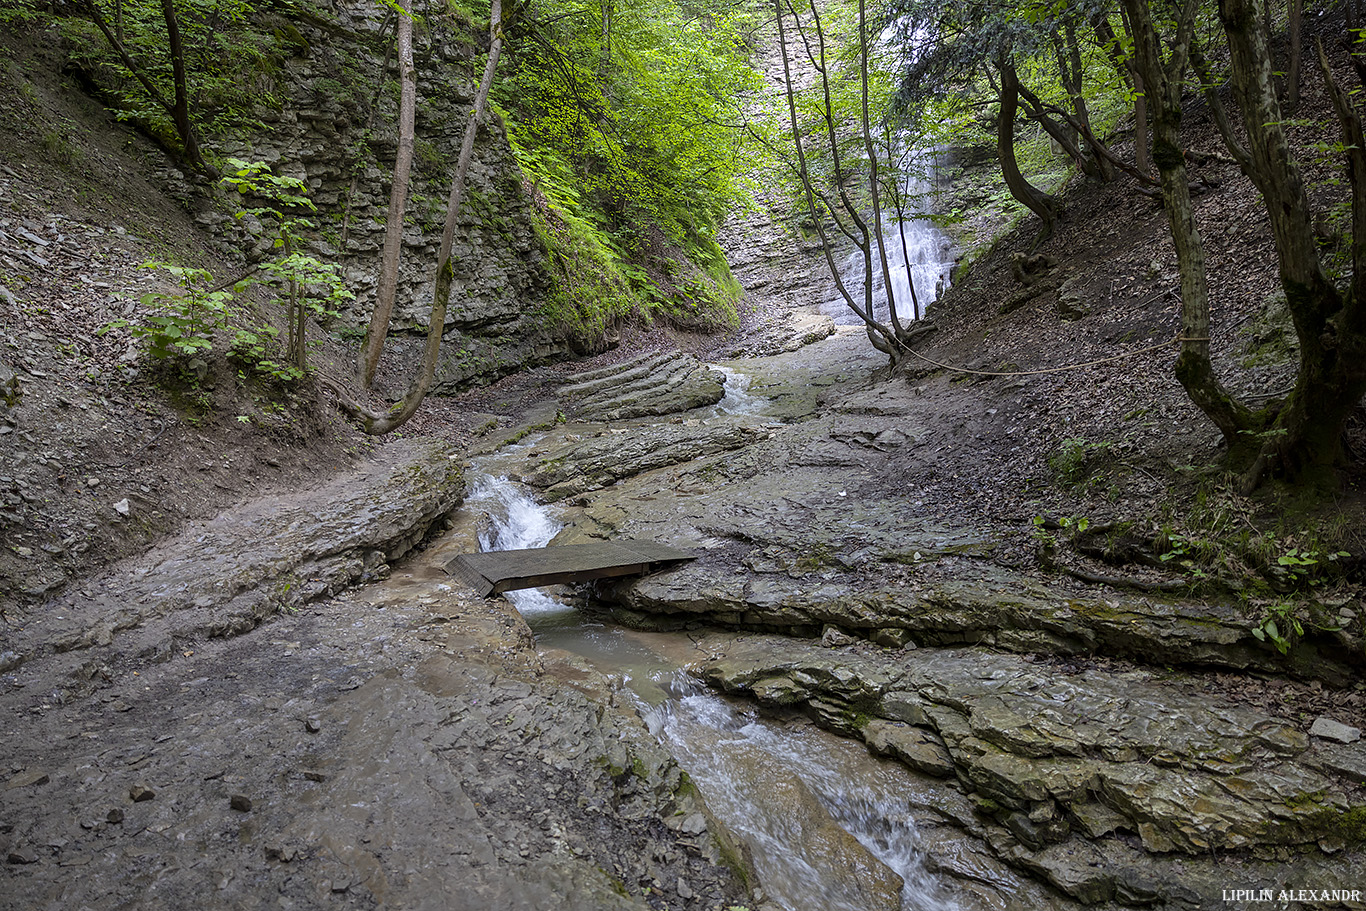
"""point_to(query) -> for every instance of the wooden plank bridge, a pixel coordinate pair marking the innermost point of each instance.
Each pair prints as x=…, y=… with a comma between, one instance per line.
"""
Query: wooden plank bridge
x=498, y=571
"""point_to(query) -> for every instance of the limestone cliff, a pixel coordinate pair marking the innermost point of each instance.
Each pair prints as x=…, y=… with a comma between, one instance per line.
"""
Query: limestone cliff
x=334, y=127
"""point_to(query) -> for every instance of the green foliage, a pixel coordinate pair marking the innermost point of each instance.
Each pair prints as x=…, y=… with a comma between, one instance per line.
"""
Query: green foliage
x=1306, y=567
x=20, y=13
x=1188, y=553
x=632, y=148
x=307, y=285
x=1074, y=459
x=233, y=53
x=183, y=326
x=1280, y=627
x=647, y=121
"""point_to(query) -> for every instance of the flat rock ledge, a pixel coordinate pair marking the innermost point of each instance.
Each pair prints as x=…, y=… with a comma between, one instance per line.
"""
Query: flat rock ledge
x=224, y=576
x=610, y=456
x=1117, y=791
x=988, y=605
x=648, y=386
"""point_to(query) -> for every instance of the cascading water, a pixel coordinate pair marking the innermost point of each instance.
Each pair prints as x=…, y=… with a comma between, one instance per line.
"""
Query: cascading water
x=516, y=521
x=737, y=399
x=744, y=766
x=738, y=760
x=915, y=240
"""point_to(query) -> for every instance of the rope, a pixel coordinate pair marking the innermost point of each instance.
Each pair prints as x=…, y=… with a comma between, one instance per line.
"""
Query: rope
x=1105, y=360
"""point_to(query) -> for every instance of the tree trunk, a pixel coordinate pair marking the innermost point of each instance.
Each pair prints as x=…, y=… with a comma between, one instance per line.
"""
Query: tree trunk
x=1070, y=65
x=1128, y=69
x=180, y=112
x=398, y=199
x=1216, y=106
x=1141, y=126
x=397, y=416
x=1332, y=369
x=1193, y=367
x=1294, y=33
x=1038, y=202
x=880, y=336
x=874, y=185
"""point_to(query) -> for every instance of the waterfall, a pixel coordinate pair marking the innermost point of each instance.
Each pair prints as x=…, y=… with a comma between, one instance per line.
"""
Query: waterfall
x=738, y=399
x=916, y=240
x=736, y=757
x=515, y=522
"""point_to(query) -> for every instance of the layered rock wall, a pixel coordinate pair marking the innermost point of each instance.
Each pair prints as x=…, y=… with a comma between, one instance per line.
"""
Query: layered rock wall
x=336, y=129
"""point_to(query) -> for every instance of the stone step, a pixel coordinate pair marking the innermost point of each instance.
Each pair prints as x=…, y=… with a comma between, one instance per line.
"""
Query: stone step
x=667, y=375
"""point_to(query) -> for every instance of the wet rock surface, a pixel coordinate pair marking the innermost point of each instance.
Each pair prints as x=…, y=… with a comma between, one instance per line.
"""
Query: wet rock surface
x=1116, y=789
x=226, y=575
x=648, y=386
x=1107, y=790
x=401, y=746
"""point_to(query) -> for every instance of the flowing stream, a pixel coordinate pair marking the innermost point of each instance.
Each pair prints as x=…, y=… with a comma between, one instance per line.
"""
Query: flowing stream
x=797, y=796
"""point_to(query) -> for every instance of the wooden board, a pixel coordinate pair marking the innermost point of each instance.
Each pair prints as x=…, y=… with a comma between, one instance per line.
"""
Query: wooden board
x=500, y=571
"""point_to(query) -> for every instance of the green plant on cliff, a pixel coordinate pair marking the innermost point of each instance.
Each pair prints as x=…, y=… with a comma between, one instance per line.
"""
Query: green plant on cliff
x=625, y=121
x=180, y=325
x=308, y=286
x=183, y=326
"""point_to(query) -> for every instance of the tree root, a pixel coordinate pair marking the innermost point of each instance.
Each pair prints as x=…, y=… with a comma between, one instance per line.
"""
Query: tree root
x=1124, y=581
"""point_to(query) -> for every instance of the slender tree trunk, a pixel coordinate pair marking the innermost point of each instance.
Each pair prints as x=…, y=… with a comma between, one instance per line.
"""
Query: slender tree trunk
x=1216, y=106
x=1141, y=160
x=1038, y=202
x=1105, y=169
x=874, y=185
x=879, y=336
x=1128, y=69
x=397, y=416
x=899, y=201
x=387, y=286
x=180, y=112
x=1165, y=79
x=1293, y=30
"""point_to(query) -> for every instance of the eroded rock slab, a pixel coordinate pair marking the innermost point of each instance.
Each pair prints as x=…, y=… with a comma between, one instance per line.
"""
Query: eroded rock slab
x=1110, y=788
x=404, y=749
x=648, y=386
x=610, y=455
x=224, y=576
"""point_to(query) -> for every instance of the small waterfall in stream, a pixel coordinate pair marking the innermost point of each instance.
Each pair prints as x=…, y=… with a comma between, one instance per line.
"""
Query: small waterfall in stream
x=744, y=767
x=516, y=522
x=739, y=761
x=738, y=399
x=915, y=240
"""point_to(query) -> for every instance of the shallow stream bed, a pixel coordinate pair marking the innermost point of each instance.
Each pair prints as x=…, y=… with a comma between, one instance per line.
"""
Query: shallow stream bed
x=826, y=825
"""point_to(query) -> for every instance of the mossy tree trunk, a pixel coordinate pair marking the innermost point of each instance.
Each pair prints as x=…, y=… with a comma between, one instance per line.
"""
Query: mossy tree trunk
x=1164, y=79
x=1306, y=443
x=1300, y=437
x=1037, y=201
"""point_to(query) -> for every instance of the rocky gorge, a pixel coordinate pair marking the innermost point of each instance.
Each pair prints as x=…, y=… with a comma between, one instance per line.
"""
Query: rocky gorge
x=293, y=703
x=286, y=701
